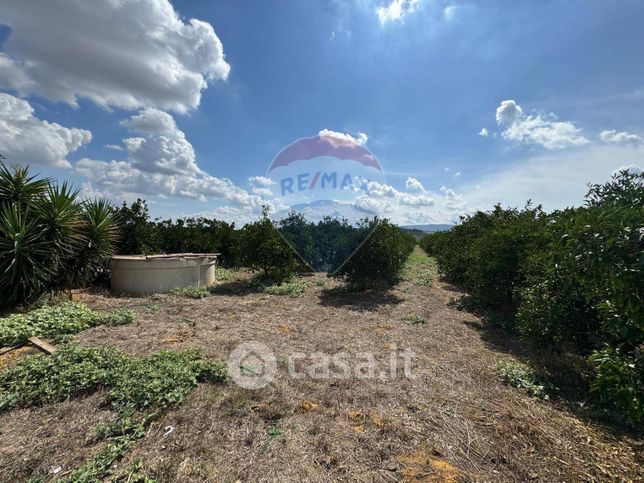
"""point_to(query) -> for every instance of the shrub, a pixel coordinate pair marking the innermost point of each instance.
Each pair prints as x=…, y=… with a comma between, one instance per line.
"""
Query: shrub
x=56, y=321
x=49, y=240
x=264, y=249
x=619, y=382
x=380, y=258
x=573, y=278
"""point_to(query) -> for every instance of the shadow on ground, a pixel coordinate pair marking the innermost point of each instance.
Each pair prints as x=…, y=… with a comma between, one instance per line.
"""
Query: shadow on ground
x=568, y=373
x=365, y=301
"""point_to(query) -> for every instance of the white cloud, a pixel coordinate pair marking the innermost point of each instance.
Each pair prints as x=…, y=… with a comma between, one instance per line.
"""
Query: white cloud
x=26, y=139
x=484, y=133
x=544, y=131
x=361, y=138
x=262, y=181
x=414, y=185
x=416, y=205
x=115, y=147
x=396, y=10
x=614, y=137
x=124, y=53
x=164, y=147
x=159, y=163
x=122, y=180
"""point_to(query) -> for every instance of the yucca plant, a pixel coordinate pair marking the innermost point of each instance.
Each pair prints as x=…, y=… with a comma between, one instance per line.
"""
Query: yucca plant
x=25, y=256
x=49, y=240
x=16, y=186
x=99, y=233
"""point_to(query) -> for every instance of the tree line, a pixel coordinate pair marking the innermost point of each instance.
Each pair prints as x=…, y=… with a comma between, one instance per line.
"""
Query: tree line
x=572, y=280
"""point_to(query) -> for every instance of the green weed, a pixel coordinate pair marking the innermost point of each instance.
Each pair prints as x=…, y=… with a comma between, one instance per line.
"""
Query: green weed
x=292, y=288
x=193, y=291
x=413, y=319
x=139, y=389
x=522, y=376
x=57, y=321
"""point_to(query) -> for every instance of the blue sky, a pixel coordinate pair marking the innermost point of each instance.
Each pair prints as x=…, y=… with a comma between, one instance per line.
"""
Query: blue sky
x=555, y=86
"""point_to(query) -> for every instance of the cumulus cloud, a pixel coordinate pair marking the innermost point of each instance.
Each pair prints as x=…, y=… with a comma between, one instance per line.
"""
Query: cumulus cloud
x=163, y=147
x=545, y=131
x=414, y=205
x=26, y=139
x=119, y=179
x=624, y=138
x=161, y=162
x=484, y=133
x=125, y=53
x=261, y=181
x=414, y=185
x=361, y=138
x=397, y=10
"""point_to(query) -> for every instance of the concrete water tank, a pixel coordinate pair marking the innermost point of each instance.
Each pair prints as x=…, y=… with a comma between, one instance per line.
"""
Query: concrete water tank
x=148, y=274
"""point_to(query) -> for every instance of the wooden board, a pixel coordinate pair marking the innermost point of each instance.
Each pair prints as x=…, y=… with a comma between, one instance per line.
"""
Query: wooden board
x=42, y=345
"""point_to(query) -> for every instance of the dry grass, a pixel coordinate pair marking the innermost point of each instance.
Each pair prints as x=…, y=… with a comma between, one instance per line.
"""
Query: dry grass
x=456, y=421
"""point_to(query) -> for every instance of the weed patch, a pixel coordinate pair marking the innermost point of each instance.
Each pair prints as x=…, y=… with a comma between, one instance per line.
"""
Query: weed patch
x=193, y=292
x=56, y=321
x=140, y=389
x=292, y=288
x=523, y=376
x=413, y=319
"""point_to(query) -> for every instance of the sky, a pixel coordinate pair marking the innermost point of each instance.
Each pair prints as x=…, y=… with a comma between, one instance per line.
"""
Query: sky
x=185, y=104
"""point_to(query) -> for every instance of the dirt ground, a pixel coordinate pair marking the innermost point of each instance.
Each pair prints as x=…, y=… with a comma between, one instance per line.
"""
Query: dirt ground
x=454, y=421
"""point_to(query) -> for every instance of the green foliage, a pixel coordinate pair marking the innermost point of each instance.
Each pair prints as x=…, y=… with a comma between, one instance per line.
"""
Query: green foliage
x=264, y=249
x=413, y=319
x=139, y=389
x=141, y=235
x=324, y=245
x=71, y=371
x=49, y=240
x=620, y=382
x=380, y=258
x=293, y=288
x=193, y=291
x=485, y=252
x=573, y=279
x=522, y=376
x=56, y=321
x=225, y=274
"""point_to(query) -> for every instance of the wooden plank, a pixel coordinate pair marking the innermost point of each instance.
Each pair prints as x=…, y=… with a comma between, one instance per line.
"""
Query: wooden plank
x=42, y=345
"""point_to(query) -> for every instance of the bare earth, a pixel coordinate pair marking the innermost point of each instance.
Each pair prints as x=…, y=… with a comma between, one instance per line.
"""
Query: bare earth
x=455, y=421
